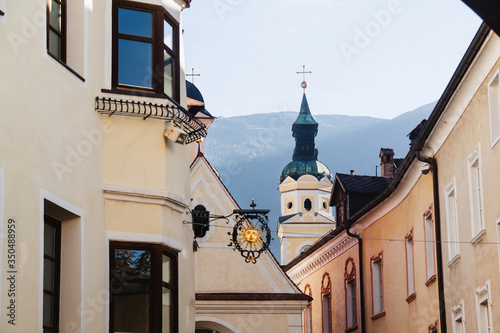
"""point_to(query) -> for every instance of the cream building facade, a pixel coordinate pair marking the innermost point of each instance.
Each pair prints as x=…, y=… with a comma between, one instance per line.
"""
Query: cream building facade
x=92, y=194
x=464, y=143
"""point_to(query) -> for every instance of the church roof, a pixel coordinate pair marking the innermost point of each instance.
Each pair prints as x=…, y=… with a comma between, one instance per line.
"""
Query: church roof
x=305, y=117
x=305, y=155
x=195, y=102
x=296, y=169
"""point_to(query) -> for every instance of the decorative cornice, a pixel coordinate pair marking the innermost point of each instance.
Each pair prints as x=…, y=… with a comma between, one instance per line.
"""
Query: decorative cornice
x=147, y=196
x=324, y=259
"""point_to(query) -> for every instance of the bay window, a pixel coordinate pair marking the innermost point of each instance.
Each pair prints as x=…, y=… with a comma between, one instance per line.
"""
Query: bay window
x=143, y=288
x=145, y=49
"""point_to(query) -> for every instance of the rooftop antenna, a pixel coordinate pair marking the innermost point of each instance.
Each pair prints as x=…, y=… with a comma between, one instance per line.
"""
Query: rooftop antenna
x=304, y=83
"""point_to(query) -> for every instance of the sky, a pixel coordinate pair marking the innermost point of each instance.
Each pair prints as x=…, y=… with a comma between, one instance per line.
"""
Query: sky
x=376, y=58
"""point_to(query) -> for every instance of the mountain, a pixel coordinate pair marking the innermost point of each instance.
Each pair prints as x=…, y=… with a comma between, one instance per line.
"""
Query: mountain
x=249, y=152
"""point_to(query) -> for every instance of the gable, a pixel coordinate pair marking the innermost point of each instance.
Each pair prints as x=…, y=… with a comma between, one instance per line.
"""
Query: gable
x=220, y=269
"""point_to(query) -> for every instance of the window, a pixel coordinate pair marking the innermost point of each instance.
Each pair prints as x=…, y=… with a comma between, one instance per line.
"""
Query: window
x=326, y=303
x=433, y=328
x=457, y=317
x=308, y=312
x=494, y=106
x=350, y=293
x=429, y=247
x=377, y=287
x=307, y=205
x=145, y=49
x=452, y=223
x=56, y=29
x=484, y=319
x=327, y=313
x=476, y=196
x=143, y=288
x=289, y=205
x=410, y=273
x=51, y=274
x=61, y=255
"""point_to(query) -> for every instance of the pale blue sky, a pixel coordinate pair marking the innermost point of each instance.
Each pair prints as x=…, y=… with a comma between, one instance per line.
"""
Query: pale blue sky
x=375, y=58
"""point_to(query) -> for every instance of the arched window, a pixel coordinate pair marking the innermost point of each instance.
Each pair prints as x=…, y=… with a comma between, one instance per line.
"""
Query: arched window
x=350, y=293
x=326, y=303
x=308, y=311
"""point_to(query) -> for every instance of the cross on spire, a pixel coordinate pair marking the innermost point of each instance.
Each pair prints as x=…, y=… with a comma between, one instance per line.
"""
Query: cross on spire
x=304, y=83
x=192, y=75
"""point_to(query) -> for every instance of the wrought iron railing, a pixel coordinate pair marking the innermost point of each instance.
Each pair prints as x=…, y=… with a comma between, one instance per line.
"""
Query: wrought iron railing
x=193, y=127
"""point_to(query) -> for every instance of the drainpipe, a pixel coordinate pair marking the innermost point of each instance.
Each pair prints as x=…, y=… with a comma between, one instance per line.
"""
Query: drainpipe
x=361, y=288
x=437, y=226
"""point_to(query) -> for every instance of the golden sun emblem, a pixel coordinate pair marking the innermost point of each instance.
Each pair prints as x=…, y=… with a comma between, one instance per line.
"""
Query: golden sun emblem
x=250, y=236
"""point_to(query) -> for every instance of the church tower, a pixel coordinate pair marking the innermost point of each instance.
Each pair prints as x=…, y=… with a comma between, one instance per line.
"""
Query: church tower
x=305, y=185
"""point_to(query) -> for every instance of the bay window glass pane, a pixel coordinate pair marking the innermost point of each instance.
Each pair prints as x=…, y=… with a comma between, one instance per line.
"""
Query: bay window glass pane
x=168, y=35
x=133, y=263
x=166, y=310
x=135, y=22
x=55, y=42
x=48, y=310
x=55, y=15
x=166, y=269
x=168, y=74
x=48, y=274
x=132, y=309
x=49, y=240
x=135, y=63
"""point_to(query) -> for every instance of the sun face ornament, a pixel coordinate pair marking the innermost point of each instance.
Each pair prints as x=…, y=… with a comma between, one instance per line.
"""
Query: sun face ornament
x=251, y=234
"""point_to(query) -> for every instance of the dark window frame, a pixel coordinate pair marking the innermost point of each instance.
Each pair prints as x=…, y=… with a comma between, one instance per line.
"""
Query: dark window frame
x=62, y=33
x=159, y=15
x=57, y=273
x=155, y=281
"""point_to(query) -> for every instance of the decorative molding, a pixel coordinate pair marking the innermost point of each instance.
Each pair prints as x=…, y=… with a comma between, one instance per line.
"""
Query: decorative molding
x=479, y=237
x=326, y=287
x=146, y=238
x=324, y=259
x=349, y=274
x=249, y=307
x=147, y=196
x=454, y=260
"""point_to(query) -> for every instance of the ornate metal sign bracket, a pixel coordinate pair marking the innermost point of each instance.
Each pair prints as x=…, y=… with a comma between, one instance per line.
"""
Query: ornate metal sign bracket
x=251, y=234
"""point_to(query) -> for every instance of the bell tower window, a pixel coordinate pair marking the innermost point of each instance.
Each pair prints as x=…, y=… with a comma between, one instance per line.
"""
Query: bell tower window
x=307, y=205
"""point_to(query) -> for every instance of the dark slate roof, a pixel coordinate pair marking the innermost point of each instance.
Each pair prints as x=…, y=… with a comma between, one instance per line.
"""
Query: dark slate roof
x=398, y=162
x=363, y=184
x=193, y=92
x=283, y=218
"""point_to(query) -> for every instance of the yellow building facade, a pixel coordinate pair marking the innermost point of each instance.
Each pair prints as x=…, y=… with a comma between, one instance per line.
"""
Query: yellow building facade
x=233, y=296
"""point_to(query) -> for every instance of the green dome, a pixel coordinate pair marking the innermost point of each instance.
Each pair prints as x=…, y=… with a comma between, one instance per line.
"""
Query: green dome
x=295, y=169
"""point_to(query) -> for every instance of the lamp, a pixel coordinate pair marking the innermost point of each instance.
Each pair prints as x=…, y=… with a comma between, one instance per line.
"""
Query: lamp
x=176, y=134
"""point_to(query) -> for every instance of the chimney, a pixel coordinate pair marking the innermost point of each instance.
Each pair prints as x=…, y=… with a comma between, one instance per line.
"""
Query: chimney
x=387, y=165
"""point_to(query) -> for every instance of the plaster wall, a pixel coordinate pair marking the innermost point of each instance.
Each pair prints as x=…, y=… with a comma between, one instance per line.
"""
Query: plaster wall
x=476, y=263
x=55, y=147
